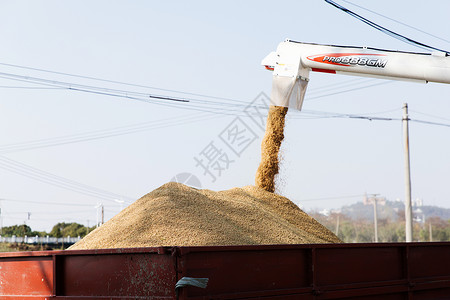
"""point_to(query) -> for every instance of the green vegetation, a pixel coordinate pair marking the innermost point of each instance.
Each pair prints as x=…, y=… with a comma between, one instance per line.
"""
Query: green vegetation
x=21, y=230
x=14, y=247
x=362, y=230
x=70, y=229
x=5, y=247
x=59, y=230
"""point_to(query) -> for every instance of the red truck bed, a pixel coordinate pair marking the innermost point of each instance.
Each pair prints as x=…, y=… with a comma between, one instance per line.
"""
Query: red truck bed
x=332, y=271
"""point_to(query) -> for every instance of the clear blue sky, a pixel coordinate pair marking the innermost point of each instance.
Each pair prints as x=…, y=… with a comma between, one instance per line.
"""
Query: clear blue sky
x=208, y=48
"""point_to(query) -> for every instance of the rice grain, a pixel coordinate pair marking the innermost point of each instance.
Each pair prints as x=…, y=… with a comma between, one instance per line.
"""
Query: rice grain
x=178, y=215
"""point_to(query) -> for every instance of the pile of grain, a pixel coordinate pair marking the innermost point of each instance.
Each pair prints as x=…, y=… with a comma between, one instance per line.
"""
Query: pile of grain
x=178, y=215
x=268, y=168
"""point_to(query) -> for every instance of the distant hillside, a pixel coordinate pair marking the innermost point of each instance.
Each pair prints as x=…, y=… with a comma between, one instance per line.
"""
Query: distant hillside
x=393, y=210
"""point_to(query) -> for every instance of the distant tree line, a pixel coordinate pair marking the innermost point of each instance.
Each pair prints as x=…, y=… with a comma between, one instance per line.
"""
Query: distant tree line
x=58, y=230
x=348, y=229
x=363, y=231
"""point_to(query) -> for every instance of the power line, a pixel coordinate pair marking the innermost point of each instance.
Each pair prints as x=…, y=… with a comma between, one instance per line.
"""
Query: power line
x=381, y=112
x=396, y=21
x=116, y=131
x=45, y=202
x=201, y=105
x=49, y=178
x=116, y=82
x=350, y=116
x=106, y=133
x=348, y=90
x=373, y=118
x=29, y=87
x=217, y=107
x=384, y=29
x=352, y=82
x=429, y=123
x=126, y=94
x=429, y=115
x=151, y=125
x=66, y=219
x=232, y=109
x=319, y=89
x=86, y=88
x=34, y=212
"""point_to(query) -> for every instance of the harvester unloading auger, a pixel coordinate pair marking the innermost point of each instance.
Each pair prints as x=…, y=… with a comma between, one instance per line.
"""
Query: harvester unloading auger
x=292, y=63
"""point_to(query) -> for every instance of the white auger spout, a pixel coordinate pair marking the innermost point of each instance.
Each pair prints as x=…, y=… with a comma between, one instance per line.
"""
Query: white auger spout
x=293, y=61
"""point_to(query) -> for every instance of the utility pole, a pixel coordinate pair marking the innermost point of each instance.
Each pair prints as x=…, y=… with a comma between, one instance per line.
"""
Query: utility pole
x=103, y=214
x=97, y=224
x=431, y=231
x=1, y=218
x=408, y=208
x=375, y=219
x=337, y=224
x=1, y=221
x=373, y=200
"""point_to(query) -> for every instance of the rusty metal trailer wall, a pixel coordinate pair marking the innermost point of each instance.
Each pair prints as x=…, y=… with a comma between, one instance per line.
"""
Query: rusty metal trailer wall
x=339, y=271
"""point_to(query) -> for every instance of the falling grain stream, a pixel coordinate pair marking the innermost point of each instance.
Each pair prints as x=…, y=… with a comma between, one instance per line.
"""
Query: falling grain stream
x=270, y=148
